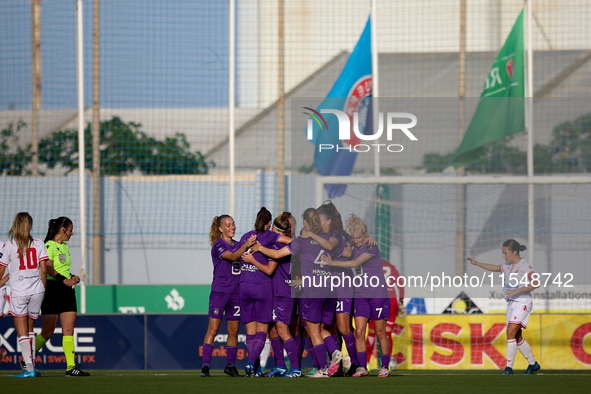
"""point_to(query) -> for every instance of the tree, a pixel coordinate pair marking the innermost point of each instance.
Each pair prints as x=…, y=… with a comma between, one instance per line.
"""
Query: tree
x=568, y=152
x=499, y=158
x=124, y=149
x=13, y=159
x=571, y=146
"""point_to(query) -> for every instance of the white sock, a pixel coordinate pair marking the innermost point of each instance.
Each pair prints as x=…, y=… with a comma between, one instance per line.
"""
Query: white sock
x=25, y=344
x=32, y=338
x=525, y=350
x=511, y=352
x=265, y=353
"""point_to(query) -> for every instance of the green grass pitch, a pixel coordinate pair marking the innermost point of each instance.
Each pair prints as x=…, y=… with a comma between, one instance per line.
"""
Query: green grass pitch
x=178, y=382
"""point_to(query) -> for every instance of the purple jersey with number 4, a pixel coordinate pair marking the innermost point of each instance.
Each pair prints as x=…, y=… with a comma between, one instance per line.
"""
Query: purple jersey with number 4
x=371, y=272
x=226, y=273
x=250, y=273
x=313, y=273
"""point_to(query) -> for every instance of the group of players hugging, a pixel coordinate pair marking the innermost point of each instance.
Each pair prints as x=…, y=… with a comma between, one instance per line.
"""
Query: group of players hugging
x=327, y=280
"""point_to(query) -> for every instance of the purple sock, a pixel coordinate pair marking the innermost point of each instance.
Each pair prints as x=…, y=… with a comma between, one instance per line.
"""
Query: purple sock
x=320, y=351
x=386, y=360
x=350, y=343
x=207, y=350
x=258, y=344
x=249, y=339
x=313, y=354
x=278, y=352
x=298, y=344
x=292, y=353
x=231, y=352
x=331, y=345
x=362, y=358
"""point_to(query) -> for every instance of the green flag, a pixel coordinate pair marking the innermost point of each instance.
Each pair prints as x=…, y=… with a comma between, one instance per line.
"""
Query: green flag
x=383, y=221
x=501, y=109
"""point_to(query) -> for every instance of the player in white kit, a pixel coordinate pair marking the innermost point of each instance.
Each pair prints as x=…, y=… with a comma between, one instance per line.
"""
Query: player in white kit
x=517, y=287
x=3, y=281
x=25, y=257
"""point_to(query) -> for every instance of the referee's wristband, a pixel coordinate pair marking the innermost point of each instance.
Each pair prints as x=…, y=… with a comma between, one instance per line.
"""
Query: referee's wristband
x=60, y=278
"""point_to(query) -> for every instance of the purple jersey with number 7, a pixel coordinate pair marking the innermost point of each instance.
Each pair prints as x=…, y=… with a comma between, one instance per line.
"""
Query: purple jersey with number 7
x=375, y=288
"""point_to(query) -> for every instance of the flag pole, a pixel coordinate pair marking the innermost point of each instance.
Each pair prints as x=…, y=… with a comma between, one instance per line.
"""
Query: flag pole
x=374, y=79
x=530, y=139
x=461, y=189
x=231, y=100
x=81, y=145
x=280, y=207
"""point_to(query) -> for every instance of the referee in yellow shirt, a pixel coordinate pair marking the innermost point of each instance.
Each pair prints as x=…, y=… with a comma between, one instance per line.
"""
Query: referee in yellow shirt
x=60, y=298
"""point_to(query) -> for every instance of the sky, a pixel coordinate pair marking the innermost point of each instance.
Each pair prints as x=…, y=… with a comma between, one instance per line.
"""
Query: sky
x=154, y=53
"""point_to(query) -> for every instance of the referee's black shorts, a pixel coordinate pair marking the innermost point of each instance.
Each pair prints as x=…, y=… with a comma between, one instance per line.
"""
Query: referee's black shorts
x=58, y=299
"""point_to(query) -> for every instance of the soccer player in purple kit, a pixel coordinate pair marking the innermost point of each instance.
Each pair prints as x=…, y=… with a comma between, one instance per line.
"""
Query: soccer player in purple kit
x=225, y=253
x=256, y=290
x=371, y=296
x=336, y=244
x=283, y=302
x=317, y=305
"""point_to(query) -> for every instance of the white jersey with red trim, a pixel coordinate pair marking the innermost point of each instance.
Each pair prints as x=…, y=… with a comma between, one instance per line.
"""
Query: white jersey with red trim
x=514, y=278
x=25, y=272
x=391, y=274
x=2, y=246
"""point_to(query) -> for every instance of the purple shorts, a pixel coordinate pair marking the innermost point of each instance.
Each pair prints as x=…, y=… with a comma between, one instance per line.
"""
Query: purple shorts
x=317, y=310
x=228, y=302
x=283, y=308
x=372, y=308
x=256, y=302
x=344, y=305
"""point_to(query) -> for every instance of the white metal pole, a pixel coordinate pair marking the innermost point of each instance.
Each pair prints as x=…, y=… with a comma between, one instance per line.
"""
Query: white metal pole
x=530, y=138
x=450, y=180
x=81, y=164
x=231, y=99
x=319, y=191
x=374, y=78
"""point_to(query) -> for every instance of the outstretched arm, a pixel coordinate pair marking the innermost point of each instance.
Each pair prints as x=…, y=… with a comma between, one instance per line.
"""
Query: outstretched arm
x=237, y=254
x=272, y=253
x=364, y=258
x=488, y=267
x=284, y=239
x=267, y=269
x=327, y=244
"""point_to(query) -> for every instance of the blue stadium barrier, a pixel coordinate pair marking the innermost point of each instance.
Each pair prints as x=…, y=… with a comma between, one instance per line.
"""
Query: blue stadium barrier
x=131, y=341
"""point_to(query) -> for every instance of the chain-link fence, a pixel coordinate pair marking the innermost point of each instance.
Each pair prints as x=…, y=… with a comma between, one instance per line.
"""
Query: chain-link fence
x=156, y=95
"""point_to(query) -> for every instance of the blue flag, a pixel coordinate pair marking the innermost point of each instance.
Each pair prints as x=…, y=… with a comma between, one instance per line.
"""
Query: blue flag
x=351, y=93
